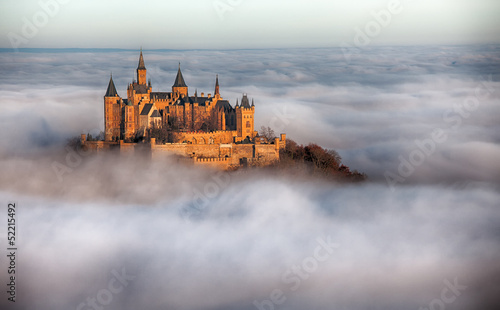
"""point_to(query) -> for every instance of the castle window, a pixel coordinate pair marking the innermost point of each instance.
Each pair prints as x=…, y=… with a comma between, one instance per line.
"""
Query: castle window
x=248, y=124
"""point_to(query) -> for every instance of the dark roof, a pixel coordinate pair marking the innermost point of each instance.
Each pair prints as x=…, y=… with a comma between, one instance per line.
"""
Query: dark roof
x=224, y=105
x=141, y=62
x=159, y=95
x=111, y=92
x=140, y=89
x=156, y=114
x=244, y=102
x=201, y=100
x=179, y=80
x=146, y=109
x=125, y=102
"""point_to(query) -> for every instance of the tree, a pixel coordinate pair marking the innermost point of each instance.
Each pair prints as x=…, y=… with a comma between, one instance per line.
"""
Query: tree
x=317, y=160
x=267, y=133
x=324, y=160
x=173, y=123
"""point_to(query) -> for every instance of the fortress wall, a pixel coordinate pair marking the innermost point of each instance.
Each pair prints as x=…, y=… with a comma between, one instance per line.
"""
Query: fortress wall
x=266, y=152
x=203, y=150
x=221, y=156
x=127, y=148
x=243, y=150
x=203, y=137
x=157, y=151
x=98, y=146
x=218, y=163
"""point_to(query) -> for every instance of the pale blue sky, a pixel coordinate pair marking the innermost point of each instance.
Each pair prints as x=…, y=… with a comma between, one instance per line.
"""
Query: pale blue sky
x=244, y=23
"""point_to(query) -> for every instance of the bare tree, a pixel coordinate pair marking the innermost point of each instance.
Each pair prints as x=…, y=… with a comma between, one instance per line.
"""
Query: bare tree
x=267, y=133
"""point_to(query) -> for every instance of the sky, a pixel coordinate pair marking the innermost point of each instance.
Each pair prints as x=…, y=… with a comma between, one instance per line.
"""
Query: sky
x=229, y=24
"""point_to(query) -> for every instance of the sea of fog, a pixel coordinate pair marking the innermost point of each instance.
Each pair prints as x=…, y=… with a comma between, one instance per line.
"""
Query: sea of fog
x=108, y=232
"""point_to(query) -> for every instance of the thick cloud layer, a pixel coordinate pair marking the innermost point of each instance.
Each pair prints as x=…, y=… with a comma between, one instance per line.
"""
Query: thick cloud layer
x=371, y=108
x=171, y=237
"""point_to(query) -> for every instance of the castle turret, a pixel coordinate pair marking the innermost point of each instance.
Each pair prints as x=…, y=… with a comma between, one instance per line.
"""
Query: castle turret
x=112, y=112
x=141, y=71
x=179, y=88
x=245, y=118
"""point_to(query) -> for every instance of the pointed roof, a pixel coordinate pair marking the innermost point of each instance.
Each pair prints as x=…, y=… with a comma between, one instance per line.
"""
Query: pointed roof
x=141, y=65
x=111, y=92
x=156, y=114
x=224, y=105
x=217, y=85
x=179, y=80
x=253, y=105
x=244, y=102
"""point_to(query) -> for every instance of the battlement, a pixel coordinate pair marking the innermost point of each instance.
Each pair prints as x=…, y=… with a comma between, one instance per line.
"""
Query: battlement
x=211, y=159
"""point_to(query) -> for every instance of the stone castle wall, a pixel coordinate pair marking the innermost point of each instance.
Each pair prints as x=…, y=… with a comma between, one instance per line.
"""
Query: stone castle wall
x=217, y=155
x=214, y=137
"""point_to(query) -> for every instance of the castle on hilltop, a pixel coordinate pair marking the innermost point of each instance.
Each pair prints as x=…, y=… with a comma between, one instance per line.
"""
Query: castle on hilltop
x=203, y=129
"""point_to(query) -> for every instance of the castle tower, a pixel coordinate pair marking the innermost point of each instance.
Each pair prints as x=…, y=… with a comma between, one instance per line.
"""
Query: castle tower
x=141, y=71
x=179, y=88
x=245, y=118
x=217, y=93
x=112, y=113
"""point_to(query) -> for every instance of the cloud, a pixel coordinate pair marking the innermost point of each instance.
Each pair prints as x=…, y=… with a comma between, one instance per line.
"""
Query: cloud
x=248, y=229
x=394, y=249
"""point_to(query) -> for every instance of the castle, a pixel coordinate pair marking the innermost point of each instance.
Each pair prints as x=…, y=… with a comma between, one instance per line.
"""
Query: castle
x=201, y=129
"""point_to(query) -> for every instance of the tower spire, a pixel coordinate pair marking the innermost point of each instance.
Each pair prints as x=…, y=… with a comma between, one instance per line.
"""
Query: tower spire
x=111, y=92
x=141, y=71
x=179, y=80
x=141, y=62
x=217, y=85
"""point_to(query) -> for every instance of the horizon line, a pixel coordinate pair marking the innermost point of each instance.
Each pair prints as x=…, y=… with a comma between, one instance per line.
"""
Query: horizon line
x=108, y=49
